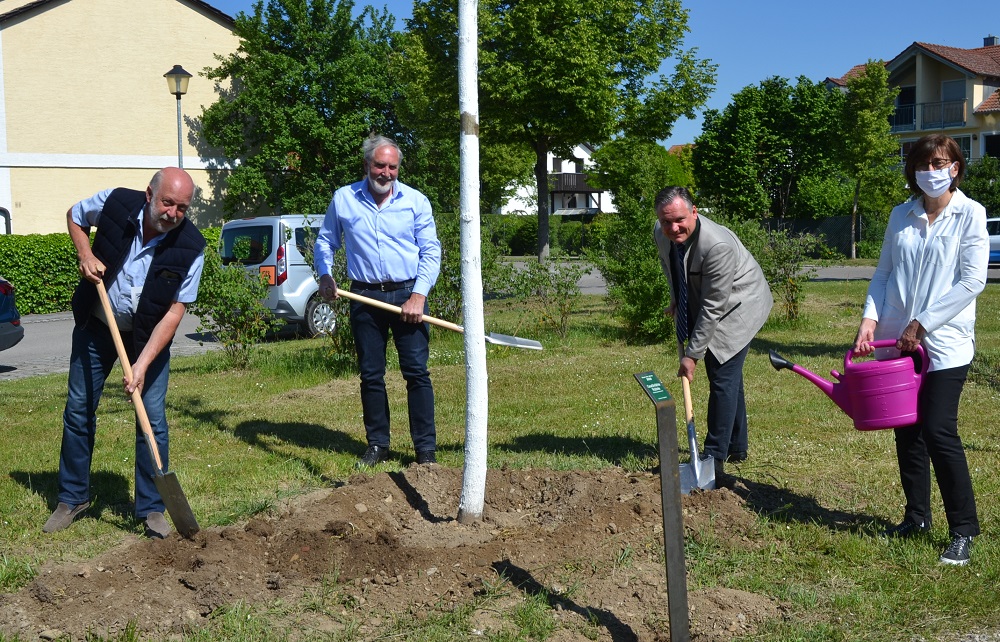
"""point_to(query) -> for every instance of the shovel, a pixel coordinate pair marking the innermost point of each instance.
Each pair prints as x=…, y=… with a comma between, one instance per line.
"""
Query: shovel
x=492, y=337
x=166, y=483
x=698, y=473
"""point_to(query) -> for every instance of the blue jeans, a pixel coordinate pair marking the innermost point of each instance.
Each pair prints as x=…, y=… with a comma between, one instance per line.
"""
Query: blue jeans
x=371, y=326
x=92, y=357
x=727, y=409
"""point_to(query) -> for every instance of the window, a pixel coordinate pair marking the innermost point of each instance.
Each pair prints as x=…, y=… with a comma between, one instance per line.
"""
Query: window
x=965, y=144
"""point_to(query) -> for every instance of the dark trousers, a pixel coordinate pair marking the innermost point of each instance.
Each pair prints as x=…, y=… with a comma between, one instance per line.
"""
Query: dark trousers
x=91, y=360
x=727, y=409
x=371, y=326
x=934, y=439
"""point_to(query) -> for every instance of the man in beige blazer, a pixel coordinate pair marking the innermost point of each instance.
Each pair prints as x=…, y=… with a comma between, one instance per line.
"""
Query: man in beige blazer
x=727, y=301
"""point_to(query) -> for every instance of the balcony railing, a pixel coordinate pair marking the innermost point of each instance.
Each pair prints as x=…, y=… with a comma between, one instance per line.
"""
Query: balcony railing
x=570, y=182
x=904, y=119
x=950, y=113
x=938, y=115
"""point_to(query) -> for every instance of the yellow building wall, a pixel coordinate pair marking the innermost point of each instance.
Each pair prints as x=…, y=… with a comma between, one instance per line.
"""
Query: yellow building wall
x=87, y=106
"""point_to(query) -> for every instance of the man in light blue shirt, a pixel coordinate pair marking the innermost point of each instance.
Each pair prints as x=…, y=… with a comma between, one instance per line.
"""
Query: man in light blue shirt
x=150, y=259
x=393, y=255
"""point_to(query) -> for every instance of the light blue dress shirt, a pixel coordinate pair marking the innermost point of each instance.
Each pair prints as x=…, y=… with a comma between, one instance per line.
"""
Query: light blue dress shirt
x=394, y=243
x=125, y=290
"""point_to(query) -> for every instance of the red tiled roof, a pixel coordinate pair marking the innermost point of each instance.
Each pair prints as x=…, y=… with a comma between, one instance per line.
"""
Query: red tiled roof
x=982, y=61
x=991, y=104
x=856, y=70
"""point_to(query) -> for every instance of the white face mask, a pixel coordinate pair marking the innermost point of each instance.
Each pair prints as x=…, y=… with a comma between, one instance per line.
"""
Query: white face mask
x=935, y=182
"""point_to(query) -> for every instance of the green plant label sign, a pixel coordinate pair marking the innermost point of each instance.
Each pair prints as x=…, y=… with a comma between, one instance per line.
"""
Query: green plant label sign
x=651, y=384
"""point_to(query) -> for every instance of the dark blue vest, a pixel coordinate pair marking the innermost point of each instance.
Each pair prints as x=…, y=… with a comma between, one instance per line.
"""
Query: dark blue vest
x=172, y=259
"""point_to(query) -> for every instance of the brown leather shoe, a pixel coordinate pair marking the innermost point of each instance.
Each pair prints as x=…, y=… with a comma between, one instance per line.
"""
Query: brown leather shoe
x=63, y=516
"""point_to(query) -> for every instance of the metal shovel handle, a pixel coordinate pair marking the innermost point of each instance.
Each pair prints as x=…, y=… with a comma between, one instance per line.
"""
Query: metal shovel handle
x=398, y=310
x=140, y=408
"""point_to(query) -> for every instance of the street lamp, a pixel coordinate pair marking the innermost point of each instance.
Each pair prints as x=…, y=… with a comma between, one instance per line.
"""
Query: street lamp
x=177, y=84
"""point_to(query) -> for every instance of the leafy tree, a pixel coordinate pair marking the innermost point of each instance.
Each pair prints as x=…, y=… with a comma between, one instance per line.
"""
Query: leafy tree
x=556, y=73
x=750, y=157
x=622, y=247
x=306, y=86
x=867, y=145
x=982, y=183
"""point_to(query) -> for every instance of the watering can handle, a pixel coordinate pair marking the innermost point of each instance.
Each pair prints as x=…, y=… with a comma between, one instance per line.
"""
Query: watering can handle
x=890, y=343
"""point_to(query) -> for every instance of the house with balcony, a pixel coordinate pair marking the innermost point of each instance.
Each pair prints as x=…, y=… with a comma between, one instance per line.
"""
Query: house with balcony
x=945, y=89
x=569, y=193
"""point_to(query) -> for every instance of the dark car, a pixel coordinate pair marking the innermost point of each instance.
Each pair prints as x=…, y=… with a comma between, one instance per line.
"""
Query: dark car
x=10, y=320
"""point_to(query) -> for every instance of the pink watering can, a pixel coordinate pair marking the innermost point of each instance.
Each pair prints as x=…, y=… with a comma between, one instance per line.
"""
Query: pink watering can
x=875, y=394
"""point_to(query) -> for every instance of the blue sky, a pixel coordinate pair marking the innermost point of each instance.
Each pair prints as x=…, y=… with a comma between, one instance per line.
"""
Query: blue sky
x=753, y=40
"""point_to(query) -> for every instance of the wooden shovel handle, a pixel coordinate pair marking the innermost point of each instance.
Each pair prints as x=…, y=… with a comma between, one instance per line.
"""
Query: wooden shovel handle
x=398, y=310
x=140, y=409
x=688, y=411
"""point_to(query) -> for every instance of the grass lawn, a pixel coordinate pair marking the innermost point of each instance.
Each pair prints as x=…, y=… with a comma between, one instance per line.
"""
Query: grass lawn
x=241, y=441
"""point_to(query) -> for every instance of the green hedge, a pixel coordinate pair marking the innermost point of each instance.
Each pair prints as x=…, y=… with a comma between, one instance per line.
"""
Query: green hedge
x=43, y=268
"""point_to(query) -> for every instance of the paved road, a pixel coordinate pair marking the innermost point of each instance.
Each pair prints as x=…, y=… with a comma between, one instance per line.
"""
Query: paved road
x=46, y=344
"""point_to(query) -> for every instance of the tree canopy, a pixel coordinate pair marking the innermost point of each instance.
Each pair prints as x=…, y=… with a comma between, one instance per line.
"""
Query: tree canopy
x=308, y=83
x=752, y=156
x=869, y=151
x=556, y=73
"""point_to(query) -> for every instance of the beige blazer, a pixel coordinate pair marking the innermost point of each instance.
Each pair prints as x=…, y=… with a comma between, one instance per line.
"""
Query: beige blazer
x=728, y=296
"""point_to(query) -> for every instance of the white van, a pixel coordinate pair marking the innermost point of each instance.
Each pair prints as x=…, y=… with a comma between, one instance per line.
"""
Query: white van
x=278, y=247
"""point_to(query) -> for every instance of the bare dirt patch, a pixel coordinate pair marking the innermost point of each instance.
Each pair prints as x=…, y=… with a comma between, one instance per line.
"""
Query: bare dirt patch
x=591, y=542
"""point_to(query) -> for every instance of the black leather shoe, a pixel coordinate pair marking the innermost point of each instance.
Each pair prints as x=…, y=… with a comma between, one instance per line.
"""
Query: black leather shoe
x=426, y=457
x=737, y=457
x=373, y=455
x=906, y=528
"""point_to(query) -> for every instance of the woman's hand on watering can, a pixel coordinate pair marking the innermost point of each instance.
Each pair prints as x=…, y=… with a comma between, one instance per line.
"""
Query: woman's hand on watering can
x=866, y=334
x=912, y=335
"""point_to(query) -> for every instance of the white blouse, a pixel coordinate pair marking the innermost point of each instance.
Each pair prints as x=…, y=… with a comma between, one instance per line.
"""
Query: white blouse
x=932, y=273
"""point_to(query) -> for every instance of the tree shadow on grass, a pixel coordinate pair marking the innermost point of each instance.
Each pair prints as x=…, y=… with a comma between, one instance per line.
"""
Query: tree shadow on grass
x=835, y=352
x=526, y=583
x=785, y=505
x=271, y=436
x=110, y=492
x=613, y=449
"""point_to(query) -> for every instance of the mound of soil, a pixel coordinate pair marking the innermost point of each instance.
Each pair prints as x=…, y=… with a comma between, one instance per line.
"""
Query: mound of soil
x=390, y=545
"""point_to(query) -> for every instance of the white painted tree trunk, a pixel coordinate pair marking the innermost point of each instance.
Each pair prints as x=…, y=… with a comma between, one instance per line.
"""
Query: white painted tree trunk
x=470, y=506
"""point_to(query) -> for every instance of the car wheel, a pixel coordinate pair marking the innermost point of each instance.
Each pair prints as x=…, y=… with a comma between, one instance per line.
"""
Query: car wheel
x=320, y=317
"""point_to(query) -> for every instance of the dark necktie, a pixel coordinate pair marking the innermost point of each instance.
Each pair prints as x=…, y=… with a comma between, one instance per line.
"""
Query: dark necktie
x=681, y=316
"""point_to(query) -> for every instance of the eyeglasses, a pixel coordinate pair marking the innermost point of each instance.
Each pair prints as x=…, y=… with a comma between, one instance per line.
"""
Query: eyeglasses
x=940, y=163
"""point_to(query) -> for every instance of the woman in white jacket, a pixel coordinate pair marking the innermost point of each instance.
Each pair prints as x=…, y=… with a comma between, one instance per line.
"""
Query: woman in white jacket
x=932, y=267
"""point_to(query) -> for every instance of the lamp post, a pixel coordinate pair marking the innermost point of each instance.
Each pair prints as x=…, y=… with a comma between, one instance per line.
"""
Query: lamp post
x=177, y=84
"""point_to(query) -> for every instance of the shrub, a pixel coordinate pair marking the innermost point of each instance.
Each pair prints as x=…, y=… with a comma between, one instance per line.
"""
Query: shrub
x=554, y=284
x=230, y=305
x=43, y=268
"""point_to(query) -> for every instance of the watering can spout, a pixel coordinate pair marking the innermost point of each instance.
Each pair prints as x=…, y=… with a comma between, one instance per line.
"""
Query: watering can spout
x=835, y=391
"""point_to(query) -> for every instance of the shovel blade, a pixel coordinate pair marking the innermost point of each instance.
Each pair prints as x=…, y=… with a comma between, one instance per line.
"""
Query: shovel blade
x=699, y=473
x=514, y=342
x=177, y=504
